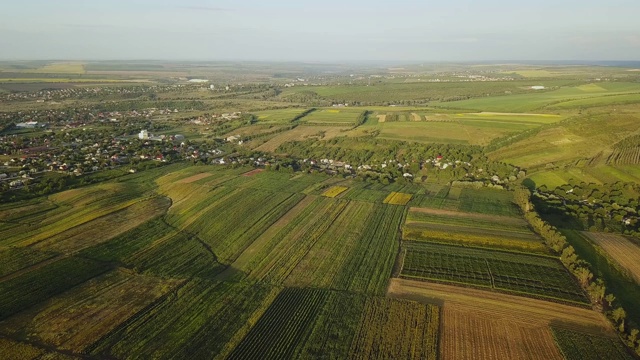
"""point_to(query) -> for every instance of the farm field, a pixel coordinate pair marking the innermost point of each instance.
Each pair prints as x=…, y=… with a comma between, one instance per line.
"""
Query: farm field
x=565, y=97
x=522, y=274
x=473, y=335
x=280, y=116
x=333, y=116
x=620, y=249
x=393, y=92
x=195, y=321
x=67, y=321
x=481, y=201
x=356, y=254
x=577, y=346
x=478, y=324
x=392, y=329
x=599, y=174
x=304, y=132
x=305, y=323
x=334, y=191
x=571, y=141
x=432, y=225
x=397, y=198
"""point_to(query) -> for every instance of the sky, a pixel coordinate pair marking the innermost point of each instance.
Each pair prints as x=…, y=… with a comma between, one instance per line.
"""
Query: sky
x=320, y=31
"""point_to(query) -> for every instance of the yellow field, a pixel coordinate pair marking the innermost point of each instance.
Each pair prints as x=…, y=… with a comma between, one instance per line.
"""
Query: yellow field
x=334, y=191
x=396, y=198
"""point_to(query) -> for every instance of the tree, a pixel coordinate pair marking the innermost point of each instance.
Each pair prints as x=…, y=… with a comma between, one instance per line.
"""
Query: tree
x=569, y=256
x=584, y=275
x=618, y=316
x=597, y=290
x=633, y=336
x=610, y=298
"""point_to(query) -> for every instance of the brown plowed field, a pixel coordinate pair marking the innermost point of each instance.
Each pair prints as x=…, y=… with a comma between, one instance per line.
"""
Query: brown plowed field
x=479, y=324
x=626, y=253
x=195, y=177
x=253, y=172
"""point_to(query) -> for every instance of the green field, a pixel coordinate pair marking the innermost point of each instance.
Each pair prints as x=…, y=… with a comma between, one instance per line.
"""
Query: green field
x=578, y=346
x=527, y=275
x=563, y=98
x=280, y=116
x=484, y=201
x=330, y=116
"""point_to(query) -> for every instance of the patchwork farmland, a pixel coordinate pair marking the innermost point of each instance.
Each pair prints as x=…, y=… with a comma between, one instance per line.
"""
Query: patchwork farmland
x=236, y=263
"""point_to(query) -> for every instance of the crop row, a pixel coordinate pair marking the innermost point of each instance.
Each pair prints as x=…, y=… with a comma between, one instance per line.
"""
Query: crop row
x=201, y=319
x=355, y=253
x=284, y=327
x=625, y=156
x=416, y=232
x=324, y=261
x=335, y=327
x=40, y=284
x=14, y=259
x=467, y=221
x=397, y=198
x=369, y=266
x=362, y=194
x=393, y=329
x=236, y=221
x=175, y=255
x=334, y=191
x=295, y=241
x=581, y=346
x=511, y=272
x=128, y=243
x=483, y=201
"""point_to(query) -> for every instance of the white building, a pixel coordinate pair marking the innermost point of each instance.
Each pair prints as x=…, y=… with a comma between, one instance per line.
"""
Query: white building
x=144, y=135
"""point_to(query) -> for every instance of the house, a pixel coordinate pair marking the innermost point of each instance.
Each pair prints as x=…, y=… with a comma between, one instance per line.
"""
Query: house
x=27, y=125
x=143, y=135
x=233, y=138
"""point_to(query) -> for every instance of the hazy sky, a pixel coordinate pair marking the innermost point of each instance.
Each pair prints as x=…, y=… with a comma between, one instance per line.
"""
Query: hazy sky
x=321, y=30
